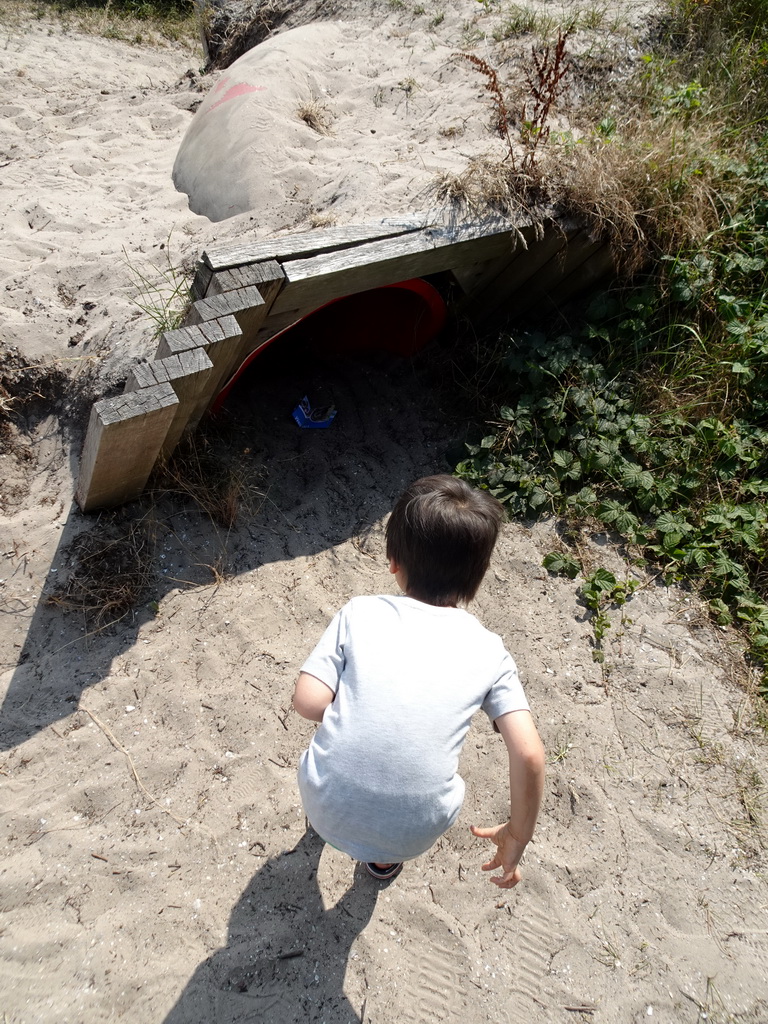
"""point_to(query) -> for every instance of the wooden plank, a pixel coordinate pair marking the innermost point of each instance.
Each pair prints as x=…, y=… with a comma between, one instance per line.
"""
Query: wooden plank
x=585, y=276
x=523, y=268
x=310, y=242
x=201, y=280
x=198, y=336
x=537, y=290
x=248, y=308
x=170, y=370
x=312, y=282
x=476, y=278
x=274, y=324
x=124, y=438
x=188, y=373
x=229, y=303
x=179, y=340
x=221, y=340
x=266, y=275
x=472, y=279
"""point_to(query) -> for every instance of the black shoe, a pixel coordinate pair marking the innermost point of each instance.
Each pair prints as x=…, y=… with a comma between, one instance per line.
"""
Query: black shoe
x=383, y=874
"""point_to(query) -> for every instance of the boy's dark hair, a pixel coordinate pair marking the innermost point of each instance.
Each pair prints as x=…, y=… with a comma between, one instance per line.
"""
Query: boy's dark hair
x=442, y=533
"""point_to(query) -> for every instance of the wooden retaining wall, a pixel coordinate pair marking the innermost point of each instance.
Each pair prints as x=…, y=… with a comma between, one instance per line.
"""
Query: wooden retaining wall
x=245, y=294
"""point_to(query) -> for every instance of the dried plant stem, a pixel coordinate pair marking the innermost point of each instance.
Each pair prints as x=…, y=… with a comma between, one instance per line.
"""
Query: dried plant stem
x=544, y=79
x=119, y=746
x=503, y=116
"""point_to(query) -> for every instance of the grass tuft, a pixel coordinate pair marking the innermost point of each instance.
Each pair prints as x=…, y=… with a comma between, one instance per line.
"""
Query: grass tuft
x=316, y=116
x=133, y=21
x=219, y=489
x=112, y=571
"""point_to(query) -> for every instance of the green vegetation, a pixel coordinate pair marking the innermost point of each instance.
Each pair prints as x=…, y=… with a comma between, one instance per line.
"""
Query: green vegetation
x=134, y=21
x=162, y=290
x=600, y=591
x=648, y=411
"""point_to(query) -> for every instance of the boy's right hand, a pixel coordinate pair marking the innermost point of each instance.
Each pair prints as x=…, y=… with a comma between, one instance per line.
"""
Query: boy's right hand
x=509, y=850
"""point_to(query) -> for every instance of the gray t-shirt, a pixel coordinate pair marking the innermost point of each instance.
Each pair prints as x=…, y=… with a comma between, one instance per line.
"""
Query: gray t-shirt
x=379, y=780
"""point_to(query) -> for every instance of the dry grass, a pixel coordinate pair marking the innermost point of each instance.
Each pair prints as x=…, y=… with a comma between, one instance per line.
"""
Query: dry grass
x=515, y=185
x=112, y=570
x=322, y=219
x=218, y=488
x=653, y=186
x=652, y=189
x=491, y=185
x=231, y=30
x=316, y=115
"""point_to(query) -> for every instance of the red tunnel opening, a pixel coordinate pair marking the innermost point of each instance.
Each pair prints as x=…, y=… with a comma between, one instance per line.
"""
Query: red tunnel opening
x=399, y=318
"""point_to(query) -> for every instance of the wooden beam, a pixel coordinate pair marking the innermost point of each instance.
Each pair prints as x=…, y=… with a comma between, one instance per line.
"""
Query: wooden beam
x=221, y=340
x=268, y=277
x=312, y=282
x=205, y=336
x=310, y=242
x=514, y=279
x=201, y=280
x=188, y=373
x=124, y=438
x=538, y=290
x=246, y=305
x=234, y=303
x=586, y=275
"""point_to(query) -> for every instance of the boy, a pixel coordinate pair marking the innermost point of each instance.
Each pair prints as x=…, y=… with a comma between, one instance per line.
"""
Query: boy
x=395, y=681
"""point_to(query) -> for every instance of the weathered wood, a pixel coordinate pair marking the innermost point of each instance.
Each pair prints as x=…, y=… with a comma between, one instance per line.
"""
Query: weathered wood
x=268, y=277
x=310, y=242
x=249, y=309
x=201, y=280
x=472, y=279
x=586, y=275
x=188, y=373
x=228, y=304
x=217, y=330
x=179, y=340
x=498, y=291
x=475, y=278
x=246, y=294
x=205, y=336
x=221, y=340
x=274, y=324
x=124, y=438
x=315, y=281
x=537, y=290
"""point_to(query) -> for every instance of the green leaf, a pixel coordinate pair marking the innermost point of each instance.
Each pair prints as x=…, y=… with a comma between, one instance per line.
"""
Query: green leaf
x=561, y=563
x=602, y=579
x=667, y=522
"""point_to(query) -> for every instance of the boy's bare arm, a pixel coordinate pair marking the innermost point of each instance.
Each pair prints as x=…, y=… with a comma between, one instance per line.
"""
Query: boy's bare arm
x=311, y=697
x=526, y=785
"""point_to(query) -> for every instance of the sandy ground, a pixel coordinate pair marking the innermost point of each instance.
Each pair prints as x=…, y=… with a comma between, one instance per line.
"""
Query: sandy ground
x=156, y=864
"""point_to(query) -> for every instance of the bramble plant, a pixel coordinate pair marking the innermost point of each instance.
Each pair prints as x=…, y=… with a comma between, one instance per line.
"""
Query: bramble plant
x=647, y=411
x=600, y=591
x=651, y=417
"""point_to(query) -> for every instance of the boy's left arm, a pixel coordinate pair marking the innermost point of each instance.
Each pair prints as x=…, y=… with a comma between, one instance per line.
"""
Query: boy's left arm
x=311, y=697
x=526, y=785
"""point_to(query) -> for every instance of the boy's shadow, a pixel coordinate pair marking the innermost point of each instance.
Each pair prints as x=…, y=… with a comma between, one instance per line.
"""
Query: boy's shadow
x=286, y=955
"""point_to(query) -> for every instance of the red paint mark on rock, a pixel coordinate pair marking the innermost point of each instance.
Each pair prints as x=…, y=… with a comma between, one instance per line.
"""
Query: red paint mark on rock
x=241, y=89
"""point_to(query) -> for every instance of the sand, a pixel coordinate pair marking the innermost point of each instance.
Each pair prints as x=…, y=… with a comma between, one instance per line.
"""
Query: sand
x=156, y=862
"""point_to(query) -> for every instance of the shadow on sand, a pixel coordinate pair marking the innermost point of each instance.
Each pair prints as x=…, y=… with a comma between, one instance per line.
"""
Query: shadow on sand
x=286, y=955
x=315, y=489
